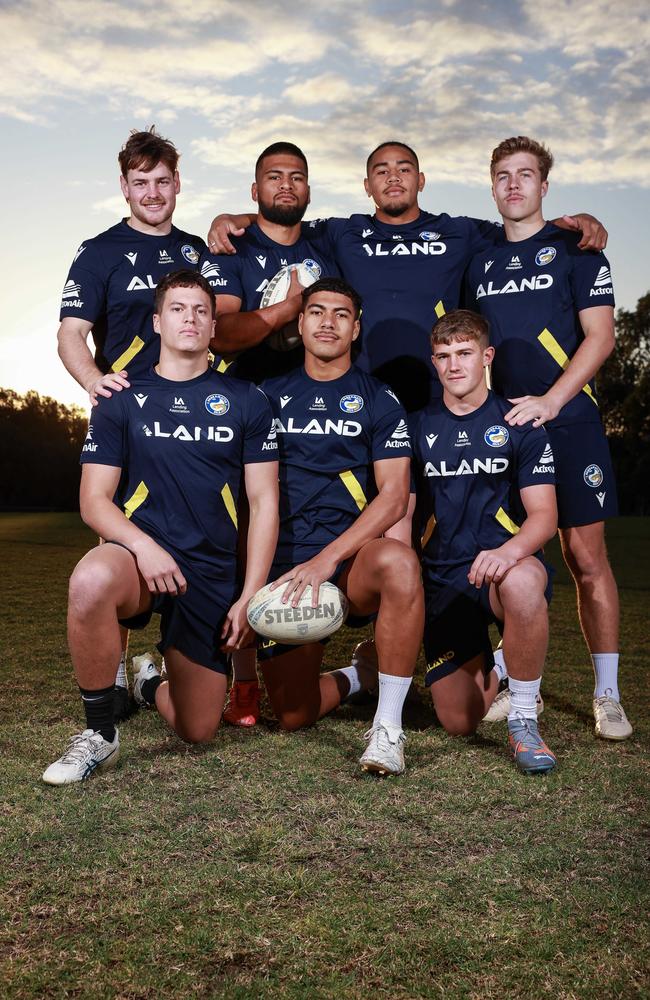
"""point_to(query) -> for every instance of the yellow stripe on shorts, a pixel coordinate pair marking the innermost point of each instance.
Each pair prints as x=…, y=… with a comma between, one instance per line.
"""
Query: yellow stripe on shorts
x=558, y=354
x=229, y=501
x=428, y=531
x=353, y=486
x=135, y=501
x=506, y=522
x=440, y=309
x=136, y=345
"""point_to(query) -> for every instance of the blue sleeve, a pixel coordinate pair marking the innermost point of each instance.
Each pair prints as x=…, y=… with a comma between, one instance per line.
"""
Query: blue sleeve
x=223, y=273
x=84, y=292
x=390, y=432
x=260, y=444
x=324, y=233
x=591, y=280
x=535, y=462
x=484, y=234
x=105, y=442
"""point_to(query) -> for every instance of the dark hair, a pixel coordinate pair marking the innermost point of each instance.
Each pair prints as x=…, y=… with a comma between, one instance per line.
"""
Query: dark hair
x=182, y=279
x=281, y=147
x=522, y=144
x=392, y=142
x=143, y=150
x=333, y=285
x=460, y=324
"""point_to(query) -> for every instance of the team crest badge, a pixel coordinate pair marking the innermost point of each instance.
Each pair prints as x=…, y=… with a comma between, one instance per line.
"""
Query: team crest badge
x=426, y=235
x=351, y=403
x=217, y=404
x=313, y=266
x=496, y=436
x=593, y=476
x=190, y=254
x=545, y=256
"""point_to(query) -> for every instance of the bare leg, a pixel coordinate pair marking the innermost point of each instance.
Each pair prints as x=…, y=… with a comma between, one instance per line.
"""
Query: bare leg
x=585, y=554
x=192, y=698
x=519, y=602
x=461, y=699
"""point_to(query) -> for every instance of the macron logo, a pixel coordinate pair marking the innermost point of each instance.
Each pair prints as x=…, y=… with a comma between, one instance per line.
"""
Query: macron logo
x=131, y=257
x=140, y=399
x=366, y=232
x=431, y=439
x=261, y=260
x=284, y=400
x=488, y=265
x=600, y=497
x=78, y=253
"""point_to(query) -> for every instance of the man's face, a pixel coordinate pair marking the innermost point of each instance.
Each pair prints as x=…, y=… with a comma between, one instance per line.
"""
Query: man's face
x=517, y=187
x=151, y=195
x=394, y=181
x=328, y=325
x=185, y=322
x=461, y=366
x=281, y=189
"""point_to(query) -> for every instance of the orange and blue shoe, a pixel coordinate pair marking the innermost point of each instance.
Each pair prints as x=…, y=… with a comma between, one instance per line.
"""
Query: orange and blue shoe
x=243, y=706
x=529, y=750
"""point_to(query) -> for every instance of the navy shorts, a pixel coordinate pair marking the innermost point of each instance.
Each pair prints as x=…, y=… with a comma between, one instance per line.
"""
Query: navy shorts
x=268, y=649
x=585, y=484
x=190, y=622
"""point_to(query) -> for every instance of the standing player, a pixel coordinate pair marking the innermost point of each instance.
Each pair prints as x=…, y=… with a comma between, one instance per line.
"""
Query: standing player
x=344, y=479
x=110, y=288
x=551, y=313
x=489, y=506
x=172, y=547
x=281, y=190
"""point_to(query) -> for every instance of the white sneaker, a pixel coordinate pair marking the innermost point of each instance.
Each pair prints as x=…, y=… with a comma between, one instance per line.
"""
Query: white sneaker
x=87, y=752
x=500, y=707
x=385, y=751
x=144, y=669
x=611, y=720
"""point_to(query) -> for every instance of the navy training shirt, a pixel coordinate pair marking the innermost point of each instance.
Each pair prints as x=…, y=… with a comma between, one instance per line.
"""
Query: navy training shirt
x=112, y=283
x=469, y=471
x=182, y=447
x=329, y=434
x=531, y=292
x=246, y=275
x=408, y=276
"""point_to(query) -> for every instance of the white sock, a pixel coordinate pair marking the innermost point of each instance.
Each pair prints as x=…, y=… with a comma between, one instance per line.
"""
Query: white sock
x=392, y=694
x=500, y=668
x=606, y=672
x=352, y=676
x=120, y=677
x=523, y=698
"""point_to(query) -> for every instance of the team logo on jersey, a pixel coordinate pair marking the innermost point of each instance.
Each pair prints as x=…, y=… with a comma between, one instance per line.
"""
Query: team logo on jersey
x=515, y=263
x=70, y=296
x=603, y=283
x=179, y=406
x=89, y=444
x=132, y=257
x=261, y=260
x=351, y=403
x=318, y=404
x=462, y=441
x=211, y=273
x=593, y=476
x=545, y=462
x=488, y=265
x=400, y=436
x=190, y=254
x=164, y=258
x=284, y=400
x=431, y=439
x=493, y=466
x=217, y=404
x=545, y=256
x=600, y=497
x=496, y=436
x=426, y=235
x=403, y=249
x=271, y=443
x=313, y=266
x=366, y=232
x=140, y=398
x=392, y=394
x=78, y=253
x=538, y=282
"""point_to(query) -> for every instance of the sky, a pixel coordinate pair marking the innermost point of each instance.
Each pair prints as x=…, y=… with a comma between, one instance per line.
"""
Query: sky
x=223, y=78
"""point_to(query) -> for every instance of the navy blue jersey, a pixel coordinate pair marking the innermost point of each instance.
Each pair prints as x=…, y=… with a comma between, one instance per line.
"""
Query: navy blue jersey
x=531, y=292
x=111, y=284
x=245, y=275
x=408, y=276
x=470, y=470
x=182, y=446
x=329, y=434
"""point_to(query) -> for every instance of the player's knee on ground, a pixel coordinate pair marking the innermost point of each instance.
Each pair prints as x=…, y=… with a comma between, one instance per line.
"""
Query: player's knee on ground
x=458, y=721
x=197, y=731
x=296, y=718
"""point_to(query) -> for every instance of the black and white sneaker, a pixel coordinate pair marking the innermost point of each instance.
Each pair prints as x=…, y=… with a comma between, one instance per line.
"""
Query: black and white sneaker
x=86, y=753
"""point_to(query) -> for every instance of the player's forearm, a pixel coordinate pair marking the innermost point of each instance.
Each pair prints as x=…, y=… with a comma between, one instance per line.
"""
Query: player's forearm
x=388, y=507
x=535, y=532
x=108, y=521
x=77, y=358
x=261, y=543
x=238, y=331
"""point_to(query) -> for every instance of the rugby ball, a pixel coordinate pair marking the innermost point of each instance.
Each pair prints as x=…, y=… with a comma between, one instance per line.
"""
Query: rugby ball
x=276, y=291
x=269, y=617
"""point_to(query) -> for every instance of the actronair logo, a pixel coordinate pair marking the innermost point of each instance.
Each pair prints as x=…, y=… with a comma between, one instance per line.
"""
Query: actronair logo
x=400, y=436
x=546, y=458
x=70, y=296
x=603, y=283
x=211, y=273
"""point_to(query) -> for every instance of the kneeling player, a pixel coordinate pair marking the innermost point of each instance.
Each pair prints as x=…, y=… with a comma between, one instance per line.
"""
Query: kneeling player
x=182, y=437
x=489, y=502
x=344, y=480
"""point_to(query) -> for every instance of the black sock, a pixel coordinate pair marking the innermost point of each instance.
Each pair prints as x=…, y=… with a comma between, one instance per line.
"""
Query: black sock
x=98, y=706
x=149, y=688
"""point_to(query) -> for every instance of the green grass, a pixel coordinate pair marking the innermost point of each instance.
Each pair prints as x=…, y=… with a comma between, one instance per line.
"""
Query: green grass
x=266, y=865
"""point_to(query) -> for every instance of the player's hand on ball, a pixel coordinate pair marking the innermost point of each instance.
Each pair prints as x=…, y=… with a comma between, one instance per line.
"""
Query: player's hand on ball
x=539, y=409
x=158, y=569
x=221, y=229
x=236, y=632
x=311, y=573
x=107, y=385
x=490, y=566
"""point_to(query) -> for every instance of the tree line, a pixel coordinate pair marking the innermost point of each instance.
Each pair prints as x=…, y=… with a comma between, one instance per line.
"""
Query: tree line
x=42, y=438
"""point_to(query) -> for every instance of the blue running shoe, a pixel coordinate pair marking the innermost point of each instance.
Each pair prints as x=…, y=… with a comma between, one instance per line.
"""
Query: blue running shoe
x=531, y=754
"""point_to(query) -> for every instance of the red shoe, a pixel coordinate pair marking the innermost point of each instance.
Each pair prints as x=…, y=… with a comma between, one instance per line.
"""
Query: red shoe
x=243, y=706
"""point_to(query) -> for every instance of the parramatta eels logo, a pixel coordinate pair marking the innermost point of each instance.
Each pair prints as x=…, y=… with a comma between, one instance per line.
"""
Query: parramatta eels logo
x=496, y=436
x=313, y=266
x=217, y=405
x=429, y=236
x=190, y=254
x=593, y=476
x=545, y=256
x=351, y=403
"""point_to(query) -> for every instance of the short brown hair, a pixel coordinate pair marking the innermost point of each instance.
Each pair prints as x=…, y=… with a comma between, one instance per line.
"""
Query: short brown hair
x=460, y=324
x=182, y=279
x=143, y=150
x=522, y=144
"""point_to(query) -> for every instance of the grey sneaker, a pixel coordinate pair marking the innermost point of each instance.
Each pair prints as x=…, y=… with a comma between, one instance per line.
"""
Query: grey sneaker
x=611, y=720
x=385, y=751
x=144, y=669
x=500, y=707
x=531, y=754
x=87, y=752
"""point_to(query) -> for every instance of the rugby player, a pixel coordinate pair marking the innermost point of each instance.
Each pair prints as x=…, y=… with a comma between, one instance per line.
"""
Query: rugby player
x=344, y=480
x=171, y=547
x=110, y=287
x=281, y=191
x=488, y=506
x=551, y=314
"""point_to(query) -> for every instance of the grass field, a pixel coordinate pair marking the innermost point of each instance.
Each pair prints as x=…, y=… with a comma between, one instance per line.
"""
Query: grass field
x=266, y=865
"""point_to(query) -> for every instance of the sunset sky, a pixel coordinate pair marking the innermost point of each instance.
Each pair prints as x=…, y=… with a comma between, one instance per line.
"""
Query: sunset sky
x=223, y=78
